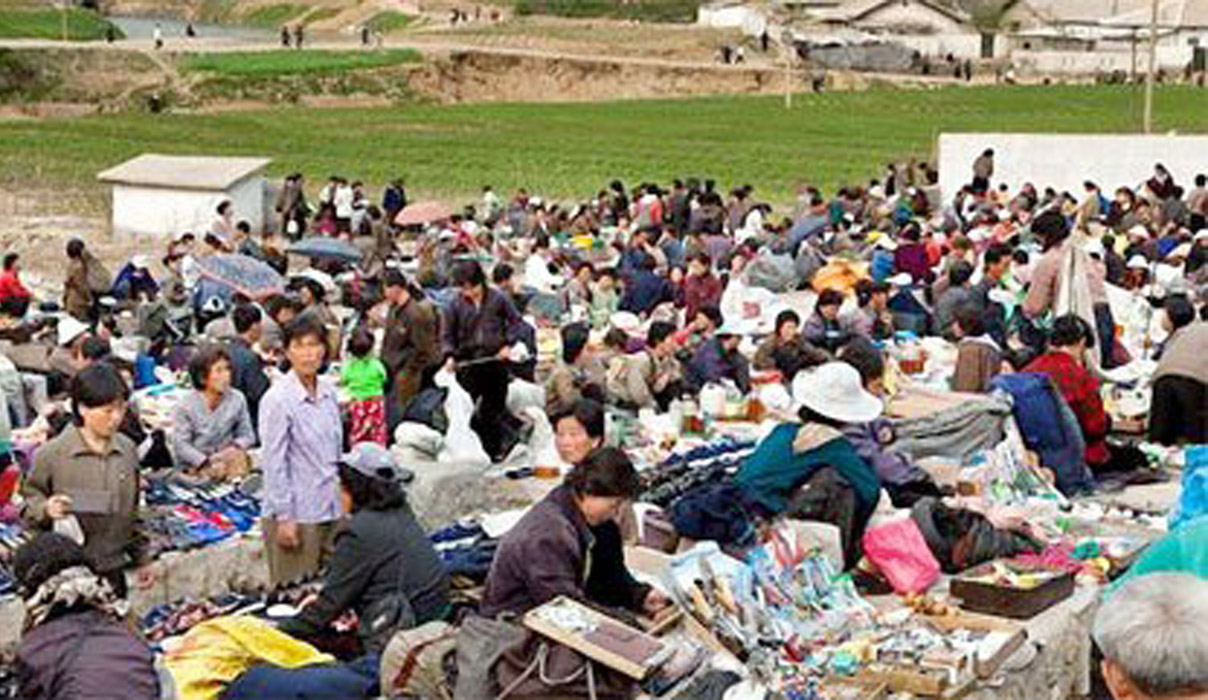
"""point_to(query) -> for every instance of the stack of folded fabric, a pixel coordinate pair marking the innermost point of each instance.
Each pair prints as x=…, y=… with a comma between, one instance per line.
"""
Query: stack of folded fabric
x=681, y=473
x=183, y=514
x=466, y=550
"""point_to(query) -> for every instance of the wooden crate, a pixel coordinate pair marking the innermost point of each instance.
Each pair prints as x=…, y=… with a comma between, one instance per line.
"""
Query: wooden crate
x=578, y=642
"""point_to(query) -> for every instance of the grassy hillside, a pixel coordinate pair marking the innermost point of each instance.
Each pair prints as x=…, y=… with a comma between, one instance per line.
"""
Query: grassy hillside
x=644, y=10
x=570, y=150
x=275, y=63
x=31, y=22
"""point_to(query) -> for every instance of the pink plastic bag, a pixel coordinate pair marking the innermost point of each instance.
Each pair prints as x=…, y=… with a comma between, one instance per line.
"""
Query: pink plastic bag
x=901, y=554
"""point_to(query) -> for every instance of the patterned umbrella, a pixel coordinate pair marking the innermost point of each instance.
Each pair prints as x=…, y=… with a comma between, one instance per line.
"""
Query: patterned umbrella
x=326, y=248
x=241, y=273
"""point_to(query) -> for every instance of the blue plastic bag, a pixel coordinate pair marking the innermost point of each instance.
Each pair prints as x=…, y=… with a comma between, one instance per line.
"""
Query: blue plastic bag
x=1194, y=500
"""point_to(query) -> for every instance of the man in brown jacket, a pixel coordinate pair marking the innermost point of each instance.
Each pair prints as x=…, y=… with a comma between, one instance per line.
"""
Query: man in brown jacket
x=90, y=471
x=411, y=349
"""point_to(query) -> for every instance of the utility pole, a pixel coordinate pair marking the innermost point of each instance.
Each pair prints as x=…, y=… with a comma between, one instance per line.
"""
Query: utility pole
x=63, y=17
x=1153, y=61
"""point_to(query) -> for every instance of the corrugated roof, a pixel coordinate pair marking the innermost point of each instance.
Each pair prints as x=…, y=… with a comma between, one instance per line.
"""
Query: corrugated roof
x=183, y=172
x=854, y=10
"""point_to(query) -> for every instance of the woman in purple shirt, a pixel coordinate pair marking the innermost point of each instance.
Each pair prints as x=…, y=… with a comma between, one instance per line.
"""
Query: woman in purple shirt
x=302, y=439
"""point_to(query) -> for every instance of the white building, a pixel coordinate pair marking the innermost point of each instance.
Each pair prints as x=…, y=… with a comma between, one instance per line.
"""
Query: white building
x=896, y=17
x=929, y=27
x=732, y=14
x=156, y=195
x=1065, y=161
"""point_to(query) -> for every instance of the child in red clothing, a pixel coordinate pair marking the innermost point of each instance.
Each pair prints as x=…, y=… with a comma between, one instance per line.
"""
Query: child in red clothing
x=364, y=376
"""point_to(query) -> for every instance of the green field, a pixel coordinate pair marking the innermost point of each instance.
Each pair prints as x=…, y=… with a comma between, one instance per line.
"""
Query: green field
x=277, y=63
x=274, y=15
x=387, y=22
x=571, y=150
x=644, y=10
x=30, y=23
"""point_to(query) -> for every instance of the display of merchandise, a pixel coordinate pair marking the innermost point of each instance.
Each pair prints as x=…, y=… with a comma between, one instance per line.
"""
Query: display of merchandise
x=680, y=473
x=182, y=514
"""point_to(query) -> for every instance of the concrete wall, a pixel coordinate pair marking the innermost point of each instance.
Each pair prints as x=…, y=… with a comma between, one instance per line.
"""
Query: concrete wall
x=961, y=45
x=156, y=211
x=1170, y=58
x=1066, y=161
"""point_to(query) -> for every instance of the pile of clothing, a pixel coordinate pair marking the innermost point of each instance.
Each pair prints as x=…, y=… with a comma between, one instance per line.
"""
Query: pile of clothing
x=11, y=537
x=680, y=473
x=174, y=619
x=466, y=550
x=183, y=514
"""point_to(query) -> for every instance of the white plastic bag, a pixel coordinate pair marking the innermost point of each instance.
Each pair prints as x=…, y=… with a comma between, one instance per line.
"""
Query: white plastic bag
x=523, y=395
x=416, y=442
x=461, y=442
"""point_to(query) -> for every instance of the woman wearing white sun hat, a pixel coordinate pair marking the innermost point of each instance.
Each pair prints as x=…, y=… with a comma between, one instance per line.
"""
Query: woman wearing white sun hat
x=841, y=488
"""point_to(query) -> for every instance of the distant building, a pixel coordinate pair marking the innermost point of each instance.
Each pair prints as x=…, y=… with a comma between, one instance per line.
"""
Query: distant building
x=731, y=14
x=155, y=195
x=918, y=17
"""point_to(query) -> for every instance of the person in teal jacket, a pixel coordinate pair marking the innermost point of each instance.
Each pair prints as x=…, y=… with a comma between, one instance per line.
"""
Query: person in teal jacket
x=843, y=489
x=1184, y=550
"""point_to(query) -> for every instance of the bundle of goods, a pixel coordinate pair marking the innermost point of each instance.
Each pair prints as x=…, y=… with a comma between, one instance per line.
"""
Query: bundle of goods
x=680, y=473
x=183, y=514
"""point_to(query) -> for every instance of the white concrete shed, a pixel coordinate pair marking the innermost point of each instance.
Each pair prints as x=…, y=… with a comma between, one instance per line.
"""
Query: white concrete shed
x=156, y=195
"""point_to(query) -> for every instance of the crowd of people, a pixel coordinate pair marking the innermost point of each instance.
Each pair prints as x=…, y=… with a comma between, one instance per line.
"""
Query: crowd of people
x=656, y=293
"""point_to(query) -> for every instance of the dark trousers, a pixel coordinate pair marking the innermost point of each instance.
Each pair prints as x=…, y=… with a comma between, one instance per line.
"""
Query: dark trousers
x=827, y=498
x=487, y=384
x=1178, y=411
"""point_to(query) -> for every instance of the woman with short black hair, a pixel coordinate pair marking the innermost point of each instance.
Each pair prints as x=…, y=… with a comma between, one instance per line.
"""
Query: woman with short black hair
x=551, y=551
x=383, y=566
x=211, y=426
x=89, y=472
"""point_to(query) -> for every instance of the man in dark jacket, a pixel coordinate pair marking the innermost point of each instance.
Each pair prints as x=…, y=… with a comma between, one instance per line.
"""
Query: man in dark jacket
x=718, y=359
x=247, y=369
x=394, y=200
x=481, y=326
x=644, y=290
x=411, y=349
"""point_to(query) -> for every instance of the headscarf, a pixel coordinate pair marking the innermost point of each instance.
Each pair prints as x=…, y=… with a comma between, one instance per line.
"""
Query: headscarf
x=72, y=587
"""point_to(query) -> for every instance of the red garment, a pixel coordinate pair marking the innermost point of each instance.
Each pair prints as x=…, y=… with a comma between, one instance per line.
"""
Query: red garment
x=1081, y=391
x=700, y=291
x=10, y=286
x=368, y=421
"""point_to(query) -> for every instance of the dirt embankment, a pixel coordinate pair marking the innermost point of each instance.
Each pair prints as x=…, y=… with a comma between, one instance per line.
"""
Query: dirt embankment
x=487, y=77
x=69, y=81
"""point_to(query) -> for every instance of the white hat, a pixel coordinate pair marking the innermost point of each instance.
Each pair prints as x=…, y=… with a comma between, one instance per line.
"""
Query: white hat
x=141, y=262
x=214, y=305
x=69, y=329
x=1138, y=262
x=322, y=278
x=1094, y=246
x=1180, y=251
x=1201, y=234
x=627, y=322
x=886, y=242
x=834, y=390
x=1139, y=231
